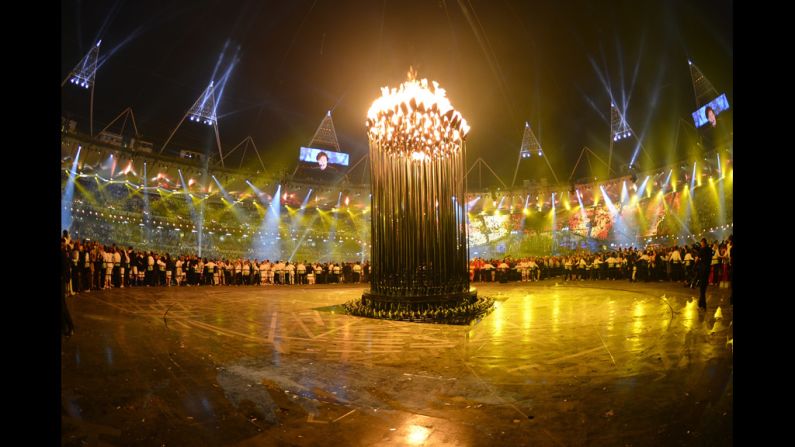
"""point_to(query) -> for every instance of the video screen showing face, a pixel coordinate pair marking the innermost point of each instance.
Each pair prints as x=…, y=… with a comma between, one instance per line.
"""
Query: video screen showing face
x=708, y=113
x=322, y=164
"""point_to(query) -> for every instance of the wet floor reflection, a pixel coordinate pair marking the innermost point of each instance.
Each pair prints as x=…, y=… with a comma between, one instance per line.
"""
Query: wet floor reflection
x=527, y=316
x=555, y=313
x=611, y=315
x=279, y=366
x=638, y=323
x=417, y=435
x=498, y=319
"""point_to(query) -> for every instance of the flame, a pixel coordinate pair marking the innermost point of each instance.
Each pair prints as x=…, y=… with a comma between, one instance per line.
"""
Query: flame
x=416, y=120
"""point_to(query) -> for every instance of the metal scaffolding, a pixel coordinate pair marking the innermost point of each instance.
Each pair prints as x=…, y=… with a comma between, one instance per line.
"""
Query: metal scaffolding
x=84, y=75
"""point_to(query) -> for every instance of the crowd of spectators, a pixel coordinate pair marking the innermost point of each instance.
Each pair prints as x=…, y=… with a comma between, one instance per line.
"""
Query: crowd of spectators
x=672, y=264
x=91, y=265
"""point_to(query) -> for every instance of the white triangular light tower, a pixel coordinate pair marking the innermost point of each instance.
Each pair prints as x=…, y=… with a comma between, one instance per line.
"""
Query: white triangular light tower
x=530, y=143
x=619, y=130
x=202, y=111
x=325, y=136
x=530, y=146
x=702, y=88
x=84, y=75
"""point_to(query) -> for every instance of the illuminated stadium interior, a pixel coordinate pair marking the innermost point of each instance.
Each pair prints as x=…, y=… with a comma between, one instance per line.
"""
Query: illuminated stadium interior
x=243, y=216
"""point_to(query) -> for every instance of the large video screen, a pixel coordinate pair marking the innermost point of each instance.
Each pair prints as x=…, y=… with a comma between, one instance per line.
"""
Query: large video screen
x=321, y=164
x=312, y=155
x=708, y=113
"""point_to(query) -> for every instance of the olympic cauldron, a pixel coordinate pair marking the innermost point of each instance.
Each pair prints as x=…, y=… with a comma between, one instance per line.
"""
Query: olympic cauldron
x=420, y=249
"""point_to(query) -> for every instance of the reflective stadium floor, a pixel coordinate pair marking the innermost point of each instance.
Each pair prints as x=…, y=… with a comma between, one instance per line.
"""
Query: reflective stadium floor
x=601, y=363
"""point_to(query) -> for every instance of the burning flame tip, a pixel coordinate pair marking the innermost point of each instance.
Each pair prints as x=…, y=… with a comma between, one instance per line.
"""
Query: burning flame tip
x=411, y=117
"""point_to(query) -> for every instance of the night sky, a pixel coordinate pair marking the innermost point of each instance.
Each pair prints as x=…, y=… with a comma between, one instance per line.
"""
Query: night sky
x=502, y=63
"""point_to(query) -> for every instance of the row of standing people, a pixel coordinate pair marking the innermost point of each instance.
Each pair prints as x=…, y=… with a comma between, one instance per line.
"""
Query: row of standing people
x=660, y=264
x=91, y=265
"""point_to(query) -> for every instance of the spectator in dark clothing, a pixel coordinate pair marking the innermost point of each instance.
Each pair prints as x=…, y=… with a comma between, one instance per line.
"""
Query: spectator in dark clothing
x=704, y=261
x=67, y=327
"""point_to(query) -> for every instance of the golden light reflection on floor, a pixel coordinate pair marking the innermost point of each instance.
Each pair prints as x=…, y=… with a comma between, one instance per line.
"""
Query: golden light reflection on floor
x=638, y=323
x=689, y=313
x=499, y=318
x=556, y=313
x=417, y=434
x=527, y=316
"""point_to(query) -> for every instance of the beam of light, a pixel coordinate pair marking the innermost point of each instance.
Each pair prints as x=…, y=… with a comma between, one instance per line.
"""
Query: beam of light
x=603, y=79
x=113, y=164
x=488, y=52
x=68, y=195
x=689, y=212
x=502, y=200
x=297, y=216
x=583, y=214
x=332, y=231
x=608, y=202
x=693, y=178
x=200, y=219
x=626, y=94
x=307, y=228
x=594, y=106
x=642, y=188
x=361, y=230
x=218, y=62
x=107, y=164
x=624, y=232
x=667, y=181
x=146, y=218
x=685, y=228
x=189, y=201
x=718, y=197
x=259, y=194
x=553, y=216
x=202, y=112
x=624, y=193
x=107, y=54
x=268, y=245
x=525, y=211
x=84, y=193
x=230, y=202
x=306, y=199
x=471, y=204
x=223, y=81
x=655, y=94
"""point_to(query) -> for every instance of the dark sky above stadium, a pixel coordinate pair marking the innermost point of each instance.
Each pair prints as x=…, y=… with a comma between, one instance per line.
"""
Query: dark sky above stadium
x=502, y=62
